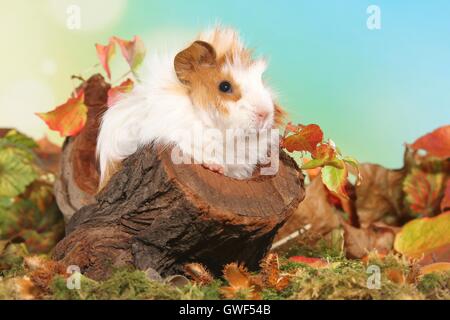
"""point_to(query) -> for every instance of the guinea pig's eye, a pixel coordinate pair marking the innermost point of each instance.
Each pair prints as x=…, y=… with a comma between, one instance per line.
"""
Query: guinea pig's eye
x=225, y=87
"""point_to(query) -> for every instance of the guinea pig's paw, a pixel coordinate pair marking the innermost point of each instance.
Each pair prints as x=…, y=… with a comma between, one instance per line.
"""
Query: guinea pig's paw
x=239, y=172
x=214, y=167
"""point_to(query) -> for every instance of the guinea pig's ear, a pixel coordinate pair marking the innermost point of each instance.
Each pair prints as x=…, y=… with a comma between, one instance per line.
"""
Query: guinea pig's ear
x=199, y=54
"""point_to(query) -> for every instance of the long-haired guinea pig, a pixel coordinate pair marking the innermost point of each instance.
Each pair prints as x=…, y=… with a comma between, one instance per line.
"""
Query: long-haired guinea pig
x=214, y=83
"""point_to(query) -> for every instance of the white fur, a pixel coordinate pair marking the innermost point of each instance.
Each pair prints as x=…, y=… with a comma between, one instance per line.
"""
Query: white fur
x=159, y=110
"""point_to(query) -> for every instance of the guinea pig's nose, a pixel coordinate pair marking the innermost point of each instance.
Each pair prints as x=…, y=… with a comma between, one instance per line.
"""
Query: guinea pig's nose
x=262, y=115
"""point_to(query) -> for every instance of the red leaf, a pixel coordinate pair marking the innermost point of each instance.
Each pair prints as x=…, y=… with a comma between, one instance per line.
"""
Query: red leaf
x=423, y=191
x=133, y=51
x=304, y=139
x=68, y=118
x=313, y=262
x=115, y=92
x=104, y=54
x=324, y=151
x=436, y=143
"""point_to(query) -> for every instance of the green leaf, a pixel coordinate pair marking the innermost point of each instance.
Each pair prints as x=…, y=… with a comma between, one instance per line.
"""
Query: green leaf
x=316, y=163
x=423, y=236
x=313, y=163
x=18, y=139
x=335, y=179
x=16, y=171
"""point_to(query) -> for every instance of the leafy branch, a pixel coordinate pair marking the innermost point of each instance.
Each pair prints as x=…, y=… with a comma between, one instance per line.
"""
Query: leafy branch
x=70, y=117
x=308, y=139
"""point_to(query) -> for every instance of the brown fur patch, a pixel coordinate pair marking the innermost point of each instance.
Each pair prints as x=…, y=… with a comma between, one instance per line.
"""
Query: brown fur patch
x=199, y=69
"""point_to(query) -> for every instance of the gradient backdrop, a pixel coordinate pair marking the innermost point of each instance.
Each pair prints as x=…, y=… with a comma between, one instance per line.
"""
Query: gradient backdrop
x=370, y=90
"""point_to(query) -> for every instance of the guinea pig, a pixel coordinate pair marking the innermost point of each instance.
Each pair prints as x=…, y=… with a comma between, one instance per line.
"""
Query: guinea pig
x=214, y=83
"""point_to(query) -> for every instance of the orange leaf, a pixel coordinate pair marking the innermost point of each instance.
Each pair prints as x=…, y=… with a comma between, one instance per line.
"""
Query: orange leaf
x=68, y=118
x=105, y=53
x=435, y=267
x=133, y=51
x=436, y=143
x=115, y=92
x=313, y=262
x=304, y=139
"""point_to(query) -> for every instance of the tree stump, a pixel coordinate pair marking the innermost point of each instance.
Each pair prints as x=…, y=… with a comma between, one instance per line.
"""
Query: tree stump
x=154, y=213
x=78, y=176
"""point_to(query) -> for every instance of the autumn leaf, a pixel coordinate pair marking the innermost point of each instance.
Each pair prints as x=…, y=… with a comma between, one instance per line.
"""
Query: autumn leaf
x=359, y=242
x=313, y=262
x=17, y=169
x=335, y=179
x=380, y=195
x=313, y=172
x=304, y=138
x=441, y=254
x=423, y=236
x=14, y=137
x=436, y=143
x=105, y=53
x=323, y=155
x=69, y=118
x=115, y=92
x=423, y=191
x=354, y=164
x=314, y=211
x=48, y=155
x=133, y=51
x=435, y=267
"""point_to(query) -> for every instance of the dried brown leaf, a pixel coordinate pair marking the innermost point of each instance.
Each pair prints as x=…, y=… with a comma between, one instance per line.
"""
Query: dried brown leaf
x=380, y=194
x=359, y=241
x=315, y=211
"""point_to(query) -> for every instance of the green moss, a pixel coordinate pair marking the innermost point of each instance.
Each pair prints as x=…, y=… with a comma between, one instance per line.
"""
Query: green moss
x=435, y=285
x=346, y=280
x=11, y=260
x=208, y=292
x=123, y=284
x=60, y=291
x=330, y=247
x=131, y=284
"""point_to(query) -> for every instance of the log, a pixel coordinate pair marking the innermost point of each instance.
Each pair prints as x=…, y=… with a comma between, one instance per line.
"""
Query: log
x=157, y=214
x=77, y=179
